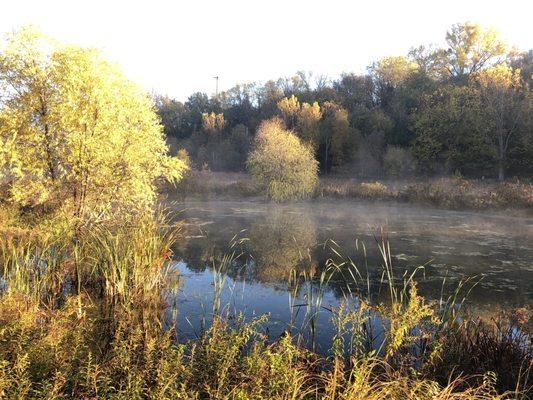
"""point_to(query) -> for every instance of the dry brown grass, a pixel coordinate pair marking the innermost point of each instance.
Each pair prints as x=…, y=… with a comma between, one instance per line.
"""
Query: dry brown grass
x=83, y=319
x=449, y=193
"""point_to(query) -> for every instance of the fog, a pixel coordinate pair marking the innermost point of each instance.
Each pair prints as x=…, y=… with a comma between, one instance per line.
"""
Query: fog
x=496, y=249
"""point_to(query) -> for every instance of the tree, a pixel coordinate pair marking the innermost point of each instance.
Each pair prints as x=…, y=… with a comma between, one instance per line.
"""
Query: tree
x=289, y=108
x=524, y=62
x=280, y=243
x=335, y=135
x=280, y=164
x=197, y=104
x=304, y=118
x=173, y=116
x=74, y=132
x=213, y=123
x=392, y=71
x=307, y=124
x=505, y=103
x=398, y=162
x=427, y=60
x=451, y=133
x=471, y=48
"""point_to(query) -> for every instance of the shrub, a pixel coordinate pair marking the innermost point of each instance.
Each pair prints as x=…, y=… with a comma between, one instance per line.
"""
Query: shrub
x=376, y=190
x=280, y=164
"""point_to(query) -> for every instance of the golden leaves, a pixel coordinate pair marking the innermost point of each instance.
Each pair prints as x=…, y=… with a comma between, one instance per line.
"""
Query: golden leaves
x=77, y=128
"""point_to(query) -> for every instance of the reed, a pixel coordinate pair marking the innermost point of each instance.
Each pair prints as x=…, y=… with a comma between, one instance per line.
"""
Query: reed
x=82, y=316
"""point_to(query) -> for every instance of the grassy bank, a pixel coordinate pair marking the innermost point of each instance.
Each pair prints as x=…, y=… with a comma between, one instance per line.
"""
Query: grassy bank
x=85, y=314
x=446, y=193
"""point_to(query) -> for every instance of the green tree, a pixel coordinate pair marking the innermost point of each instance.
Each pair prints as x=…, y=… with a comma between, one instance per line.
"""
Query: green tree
x=336, y=138
x=451, y=133
x=74, y=132
x=173, y=116
x=398, y=162
x=280, y=164
x=505, y=103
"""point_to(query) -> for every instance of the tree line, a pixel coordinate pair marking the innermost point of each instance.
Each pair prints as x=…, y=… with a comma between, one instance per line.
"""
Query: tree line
x=464, y=108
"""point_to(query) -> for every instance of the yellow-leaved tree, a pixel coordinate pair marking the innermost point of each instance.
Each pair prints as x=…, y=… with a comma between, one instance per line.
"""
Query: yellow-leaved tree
x=280, y=164
x=74, y=132
x=213, y=123
x=303, y=118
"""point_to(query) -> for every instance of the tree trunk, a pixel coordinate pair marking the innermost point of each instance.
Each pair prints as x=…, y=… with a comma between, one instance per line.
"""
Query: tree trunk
x=501, y=170
x=501, y=157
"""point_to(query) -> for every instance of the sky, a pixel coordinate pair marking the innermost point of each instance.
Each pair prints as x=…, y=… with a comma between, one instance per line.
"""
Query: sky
x=177, y=47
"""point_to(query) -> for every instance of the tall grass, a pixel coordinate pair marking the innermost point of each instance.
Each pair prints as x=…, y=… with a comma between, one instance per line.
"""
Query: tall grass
x=82, y=316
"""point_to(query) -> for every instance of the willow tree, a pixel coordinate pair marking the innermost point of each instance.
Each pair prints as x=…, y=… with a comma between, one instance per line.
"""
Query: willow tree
x=74, y=132
x=280, y=164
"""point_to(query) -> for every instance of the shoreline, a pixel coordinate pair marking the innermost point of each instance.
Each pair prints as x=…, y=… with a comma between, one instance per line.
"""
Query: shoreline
x=453, y=194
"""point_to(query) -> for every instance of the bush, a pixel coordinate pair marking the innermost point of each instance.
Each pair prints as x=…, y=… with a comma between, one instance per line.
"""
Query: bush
x=280, y=164
x=376, y=190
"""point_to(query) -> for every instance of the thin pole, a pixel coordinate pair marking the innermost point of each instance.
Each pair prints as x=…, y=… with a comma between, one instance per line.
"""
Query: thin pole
x=216, y=90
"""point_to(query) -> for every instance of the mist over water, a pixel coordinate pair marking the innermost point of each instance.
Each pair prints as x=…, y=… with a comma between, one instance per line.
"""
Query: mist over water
x=495, y=250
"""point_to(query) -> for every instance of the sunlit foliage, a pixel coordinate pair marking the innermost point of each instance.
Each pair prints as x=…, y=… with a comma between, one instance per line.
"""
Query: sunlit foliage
x=393, y=70
x=280, y=244
x=212, y=123
x=290, y=109
x=308, y=123
x=74, y=132
x=394, y=105
x=280, y=165
x=470, y=48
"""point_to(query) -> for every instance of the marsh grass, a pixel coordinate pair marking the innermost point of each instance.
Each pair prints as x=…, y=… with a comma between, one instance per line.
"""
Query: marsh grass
x=82, y=316
x=448, y=193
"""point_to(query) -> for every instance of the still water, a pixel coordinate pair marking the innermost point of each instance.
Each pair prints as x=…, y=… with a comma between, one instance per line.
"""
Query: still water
x=494, y=251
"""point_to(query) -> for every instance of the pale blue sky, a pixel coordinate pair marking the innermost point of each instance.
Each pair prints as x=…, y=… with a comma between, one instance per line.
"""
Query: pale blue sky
x=176, y=47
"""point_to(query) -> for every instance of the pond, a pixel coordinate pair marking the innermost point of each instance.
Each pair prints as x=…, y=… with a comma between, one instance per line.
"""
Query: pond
x=270, y=240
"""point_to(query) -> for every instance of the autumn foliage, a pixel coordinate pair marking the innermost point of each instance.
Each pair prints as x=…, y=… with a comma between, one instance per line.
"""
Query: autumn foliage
x=280, y=164
x=75, y=134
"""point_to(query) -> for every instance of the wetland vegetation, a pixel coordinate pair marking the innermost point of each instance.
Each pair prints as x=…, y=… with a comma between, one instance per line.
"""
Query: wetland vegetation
x=311, y=287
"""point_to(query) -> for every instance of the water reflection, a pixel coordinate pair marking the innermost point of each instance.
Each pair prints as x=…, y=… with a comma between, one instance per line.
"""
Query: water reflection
x=280, y=243
x=285, y=238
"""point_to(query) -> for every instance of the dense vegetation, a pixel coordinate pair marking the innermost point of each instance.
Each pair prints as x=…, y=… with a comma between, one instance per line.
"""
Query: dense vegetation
x=464, y=108
x=75, y=135
x=86, y=318
x=87, y=276
x=280, y=165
